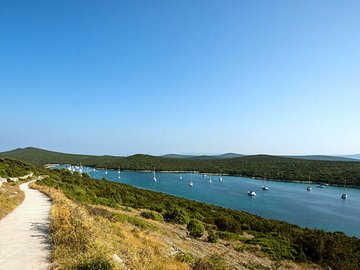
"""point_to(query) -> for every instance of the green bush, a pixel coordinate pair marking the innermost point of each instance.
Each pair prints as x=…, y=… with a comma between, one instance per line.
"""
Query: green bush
x=152, y=215
x=98, y=263
x=184, y=257
x=276, y=248
x=196, y=228
x=214, y=262
x=177, y=215
x=213, y=237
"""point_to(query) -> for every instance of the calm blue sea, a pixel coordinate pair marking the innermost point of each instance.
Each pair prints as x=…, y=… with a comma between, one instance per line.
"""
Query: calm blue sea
x=290, y=202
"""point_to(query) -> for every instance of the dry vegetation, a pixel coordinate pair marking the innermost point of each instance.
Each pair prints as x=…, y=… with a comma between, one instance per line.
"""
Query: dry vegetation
x=10, y=197
x=97, y=237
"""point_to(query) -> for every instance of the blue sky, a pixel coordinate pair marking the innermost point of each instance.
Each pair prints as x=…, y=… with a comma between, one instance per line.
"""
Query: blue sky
x=124, y=77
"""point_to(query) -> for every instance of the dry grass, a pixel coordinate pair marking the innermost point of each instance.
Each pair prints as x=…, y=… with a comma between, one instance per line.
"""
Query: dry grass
x=10, y=197
x=85, y=234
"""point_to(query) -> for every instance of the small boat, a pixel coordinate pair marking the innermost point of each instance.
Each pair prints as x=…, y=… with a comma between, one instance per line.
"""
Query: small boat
x=119, y=174
x=210, y=181
x=180, y=176
x=252, y=193
x=155, y=180
x=321, y=186
x=309, y=187
x=264, y=187
x=191, y=184
x=220, y=178
x=344, y=195
x=106, y=172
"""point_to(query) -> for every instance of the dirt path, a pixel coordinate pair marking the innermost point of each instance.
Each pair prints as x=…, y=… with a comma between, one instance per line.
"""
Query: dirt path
x=24, y=238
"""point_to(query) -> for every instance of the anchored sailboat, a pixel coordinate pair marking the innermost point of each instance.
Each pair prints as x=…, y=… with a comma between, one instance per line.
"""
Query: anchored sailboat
x=264, y=187
x=344, y=195
x=155, y=180
x=119, y=173
x=191, y=182
x=309, y=187
x=220, y=178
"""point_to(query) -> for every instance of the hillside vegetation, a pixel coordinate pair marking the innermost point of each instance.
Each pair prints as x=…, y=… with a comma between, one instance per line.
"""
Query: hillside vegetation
x=15, y=168
x=279, y=240
x=281, y=168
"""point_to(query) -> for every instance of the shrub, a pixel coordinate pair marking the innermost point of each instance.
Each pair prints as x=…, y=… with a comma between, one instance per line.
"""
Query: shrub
x=152, y=215
x=98, y=263
x=196, y=228
x=214, y=262
x=213, y=237
x=184, y=257
x=177, y=215
x=276, y=248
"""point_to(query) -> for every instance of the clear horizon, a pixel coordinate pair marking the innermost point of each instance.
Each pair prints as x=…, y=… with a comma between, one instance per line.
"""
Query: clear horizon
x=120, y=78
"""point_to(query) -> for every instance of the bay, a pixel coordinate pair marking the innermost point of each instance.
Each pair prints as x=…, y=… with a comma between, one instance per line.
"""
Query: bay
x=320, y=208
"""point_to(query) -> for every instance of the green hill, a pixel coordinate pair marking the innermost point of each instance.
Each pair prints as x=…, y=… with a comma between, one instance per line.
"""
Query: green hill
x=275, y=167
x=15, y=168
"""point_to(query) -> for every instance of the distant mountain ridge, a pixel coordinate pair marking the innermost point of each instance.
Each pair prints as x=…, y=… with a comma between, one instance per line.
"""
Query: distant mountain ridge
x=226, y=155
x=323, y=157
x=354, y=156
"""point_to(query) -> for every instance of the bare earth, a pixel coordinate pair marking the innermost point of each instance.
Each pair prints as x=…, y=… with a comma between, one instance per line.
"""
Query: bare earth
x=24, y=237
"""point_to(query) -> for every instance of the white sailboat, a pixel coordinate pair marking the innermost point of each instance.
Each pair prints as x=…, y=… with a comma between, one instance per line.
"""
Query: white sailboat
x=344, y=195
x=180, y=176
x=154, y=179
x=191, y=184
x=264, y=187
x=309, y=187
x=119, y=173
x=210, y=181
x=220, y=178
x=106, y=172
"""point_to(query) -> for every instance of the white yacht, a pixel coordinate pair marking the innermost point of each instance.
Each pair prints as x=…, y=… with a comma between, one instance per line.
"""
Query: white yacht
x=344, y=195
x=309, y=187
x=264, y=187
x=191, y=184
x=155, y=180
x=251, y=193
